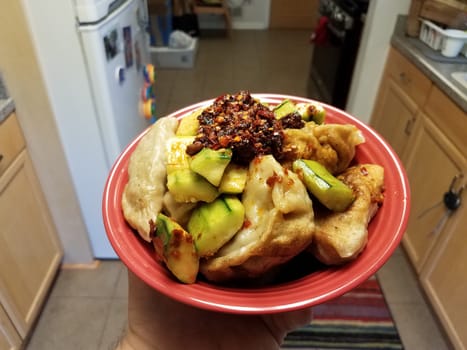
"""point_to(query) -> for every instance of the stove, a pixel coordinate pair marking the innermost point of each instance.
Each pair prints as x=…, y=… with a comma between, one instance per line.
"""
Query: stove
x=335, y=53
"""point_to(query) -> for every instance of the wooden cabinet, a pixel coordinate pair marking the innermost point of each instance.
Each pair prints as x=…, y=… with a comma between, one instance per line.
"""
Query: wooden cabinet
x=30, y=252
x=397, y=116
x=403, y=90
x=11, y=142
x=437, y=156
x=443, y=274
x=434, y=152
x=444, y=278
x=433, y=163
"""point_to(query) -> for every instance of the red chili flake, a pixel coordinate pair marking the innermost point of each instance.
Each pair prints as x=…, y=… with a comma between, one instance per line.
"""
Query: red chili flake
x=241, y=123
x=224, y=141
x=364, y=171
x=152, y=228
x=177, y=237
x=246, y=223
x=272, y=180
x=159, y=248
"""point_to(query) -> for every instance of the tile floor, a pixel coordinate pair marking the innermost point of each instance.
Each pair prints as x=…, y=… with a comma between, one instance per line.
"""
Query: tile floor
x=86, y=309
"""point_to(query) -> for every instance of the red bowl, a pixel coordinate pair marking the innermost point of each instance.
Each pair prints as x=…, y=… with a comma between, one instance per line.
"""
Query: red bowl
x=385, y=233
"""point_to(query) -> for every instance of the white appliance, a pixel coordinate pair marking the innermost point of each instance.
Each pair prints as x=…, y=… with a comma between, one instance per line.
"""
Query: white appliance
x=115, y=49
x=91, y=54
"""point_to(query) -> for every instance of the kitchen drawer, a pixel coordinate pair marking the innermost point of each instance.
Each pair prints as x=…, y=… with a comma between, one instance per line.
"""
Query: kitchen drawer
x=415, y=84
x=448, y=117
x=11, y=141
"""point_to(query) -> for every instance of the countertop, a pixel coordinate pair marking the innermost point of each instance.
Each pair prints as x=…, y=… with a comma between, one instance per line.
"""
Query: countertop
x=439, y=72
x=7, y=104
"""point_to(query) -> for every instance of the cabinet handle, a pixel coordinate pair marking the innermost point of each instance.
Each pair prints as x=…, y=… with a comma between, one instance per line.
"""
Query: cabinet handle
x=1, y=157
x=409, y=126
x=451, y=199
x=404, y=78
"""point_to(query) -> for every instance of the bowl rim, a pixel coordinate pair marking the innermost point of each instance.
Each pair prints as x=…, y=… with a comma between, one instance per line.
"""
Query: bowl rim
x=270, y=299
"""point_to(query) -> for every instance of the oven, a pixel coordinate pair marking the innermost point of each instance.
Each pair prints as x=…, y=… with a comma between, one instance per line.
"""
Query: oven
x=336, y=42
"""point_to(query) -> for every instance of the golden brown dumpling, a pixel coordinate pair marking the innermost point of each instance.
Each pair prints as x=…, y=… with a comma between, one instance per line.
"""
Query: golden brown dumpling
x=178, y=211
x=333, y=145
x=278, y=224
x=143, y=194
x=340, y=237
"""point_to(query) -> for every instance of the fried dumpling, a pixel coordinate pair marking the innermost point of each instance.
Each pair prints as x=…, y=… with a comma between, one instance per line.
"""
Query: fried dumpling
x=178, y=211
x=278, y=224
x=333, y=145
x=340, y=237
x=143, y=194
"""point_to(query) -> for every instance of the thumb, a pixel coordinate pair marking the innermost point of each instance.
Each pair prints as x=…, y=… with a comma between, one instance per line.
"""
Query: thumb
x=281, y=324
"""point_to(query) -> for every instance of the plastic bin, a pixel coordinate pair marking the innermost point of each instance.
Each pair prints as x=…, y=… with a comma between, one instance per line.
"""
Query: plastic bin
x=167, y=57
x=449, y=41
x=431, y=34
x=453, y=42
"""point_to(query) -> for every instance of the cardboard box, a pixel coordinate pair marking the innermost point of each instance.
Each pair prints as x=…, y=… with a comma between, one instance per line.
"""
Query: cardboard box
x=297, y=14
x=167, y=57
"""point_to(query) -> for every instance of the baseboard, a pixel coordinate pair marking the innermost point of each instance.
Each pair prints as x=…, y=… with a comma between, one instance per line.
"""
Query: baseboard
x=89, y=266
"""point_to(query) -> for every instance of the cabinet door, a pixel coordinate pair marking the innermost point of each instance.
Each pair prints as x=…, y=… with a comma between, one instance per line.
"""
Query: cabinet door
x=431, y=167
x=9, y=339
x=394, y=115
x=444, y=278
x=29, y=250
x=11, y=141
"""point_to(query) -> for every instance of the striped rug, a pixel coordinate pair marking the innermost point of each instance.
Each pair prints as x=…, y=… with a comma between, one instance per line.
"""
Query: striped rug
x=359, y=319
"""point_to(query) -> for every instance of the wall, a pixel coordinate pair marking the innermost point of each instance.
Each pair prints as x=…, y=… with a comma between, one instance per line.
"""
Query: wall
x=254, y=14
x=25, y=82
x=379, y=25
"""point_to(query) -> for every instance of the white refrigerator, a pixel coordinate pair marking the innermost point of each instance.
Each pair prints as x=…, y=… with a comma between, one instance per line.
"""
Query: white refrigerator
x=92, y=55
x=115, y=47
x=114, y=44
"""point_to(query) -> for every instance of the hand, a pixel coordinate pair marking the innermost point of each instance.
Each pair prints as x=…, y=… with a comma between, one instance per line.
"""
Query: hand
x=157, y=322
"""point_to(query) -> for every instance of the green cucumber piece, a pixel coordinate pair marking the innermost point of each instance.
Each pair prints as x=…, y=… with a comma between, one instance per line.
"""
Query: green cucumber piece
x=214, y=224
x=312, y=112
x=285, y=108
x=211, y=164
x=176, y=248
x=186, y=186
x=330, y=191
x=234, y=179
x=189, y=125
x=177, y=158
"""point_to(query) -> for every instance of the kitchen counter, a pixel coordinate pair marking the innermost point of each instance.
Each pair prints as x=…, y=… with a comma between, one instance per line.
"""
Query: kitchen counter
x=7, y=104
x=439, y=72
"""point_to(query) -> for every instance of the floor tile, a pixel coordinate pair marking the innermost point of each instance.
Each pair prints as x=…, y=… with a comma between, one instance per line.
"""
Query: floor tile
x=115, y=325
x=121, y=289
x=99, y=282
x=398, y=281
x=71, y=323
x=417, y=328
